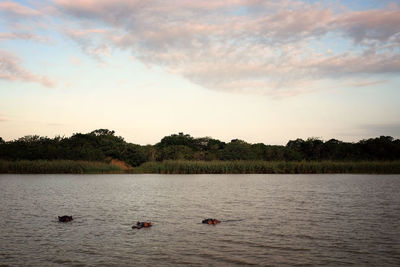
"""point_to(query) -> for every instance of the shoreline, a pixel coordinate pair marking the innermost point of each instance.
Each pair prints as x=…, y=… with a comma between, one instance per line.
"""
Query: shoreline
x=201, y=167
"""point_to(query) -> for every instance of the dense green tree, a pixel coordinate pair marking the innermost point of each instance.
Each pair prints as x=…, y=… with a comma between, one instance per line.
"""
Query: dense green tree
x=276, y=153
x=237, y=150
x=259, y=151
x=209, y=148
x=175, y=152
x=180, y=139
x=102, y=132
x=104, y=145
x=134, y=155
x=294, y=150
x=382, y=147
x=312, y=148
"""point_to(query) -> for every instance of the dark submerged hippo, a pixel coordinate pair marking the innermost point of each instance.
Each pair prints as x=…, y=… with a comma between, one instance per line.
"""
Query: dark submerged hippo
x=140, y=225
x=65, y=218
x=210, y=221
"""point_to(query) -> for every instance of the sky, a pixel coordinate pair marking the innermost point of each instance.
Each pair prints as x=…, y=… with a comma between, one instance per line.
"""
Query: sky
x=261, y=71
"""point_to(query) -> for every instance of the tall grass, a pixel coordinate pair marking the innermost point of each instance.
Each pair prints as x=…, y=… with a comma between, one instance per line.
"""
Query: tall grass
x=203, y=167
x=242, y=167
x=57, y=166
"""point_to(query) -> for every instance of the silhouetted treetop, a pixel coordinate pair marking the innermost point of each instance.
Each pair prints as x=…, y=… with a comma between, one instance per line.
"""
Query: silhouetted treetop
x=102, y=132
x=104, y=145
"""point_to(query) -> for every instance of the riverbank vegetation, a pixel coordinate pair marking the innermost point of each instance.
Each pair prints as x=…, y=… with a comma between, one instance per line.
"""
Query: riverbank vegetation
x=271, y=167
x=57, y=166
x=182, y=153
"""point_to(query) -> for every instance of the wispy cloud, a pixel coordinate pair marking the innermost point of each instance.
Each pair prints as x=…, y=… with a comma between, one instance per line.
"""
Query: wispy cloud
x=371, y=25
x=367, y=83
x=22, y=36
x=242, y=44
x=11, y=69
x=91, y=41
x=21, y=22
x=17, y=11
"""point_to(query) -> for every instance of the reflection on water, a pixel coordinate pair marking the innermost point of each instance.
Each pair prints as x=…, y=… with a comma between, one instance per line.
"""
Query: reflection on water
x=266, y=220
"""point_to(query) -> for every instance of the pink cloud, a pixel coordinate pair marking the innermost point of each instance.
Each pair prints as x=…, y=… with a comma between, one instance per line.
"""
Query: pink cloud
x=370, y=25
x=12, y=70
x=367, y=83
x=22, y=36
x=91, y=41
x=347, y=64
x=241, y=45
x=17, y=9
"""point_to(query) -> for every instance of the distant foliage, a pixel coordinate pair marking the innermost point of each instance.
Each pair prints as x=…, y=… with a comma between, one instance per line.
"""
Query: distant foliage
x=99, y=145
x=103, y=145
x=272, y=167
x=57, y=166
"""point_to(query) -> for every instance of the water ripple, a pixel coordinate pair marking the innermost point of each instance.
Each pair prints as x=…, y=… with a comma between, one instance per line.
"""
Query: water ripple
x=268, y=220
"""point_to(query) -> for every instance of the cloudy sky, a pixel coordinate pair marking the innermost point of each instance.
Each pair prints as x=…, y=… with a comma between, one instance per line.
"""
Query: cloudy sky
x=262, y=71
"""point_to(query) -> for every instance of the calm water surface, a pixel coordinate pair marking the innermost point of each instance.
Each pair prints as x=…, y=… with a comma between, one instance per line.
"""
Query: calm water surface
x=269, y=220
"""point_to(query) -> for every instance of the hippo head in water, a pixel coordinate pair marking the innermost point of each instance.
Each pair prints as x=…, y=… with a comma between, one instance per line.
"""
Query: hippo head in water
x=210, y=221
x=65, y=218
x=140, y=225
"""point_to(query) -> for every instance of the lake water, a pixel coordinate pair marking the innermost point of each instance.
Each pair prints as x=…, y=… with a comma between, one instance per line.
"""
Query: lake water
x=269, y=220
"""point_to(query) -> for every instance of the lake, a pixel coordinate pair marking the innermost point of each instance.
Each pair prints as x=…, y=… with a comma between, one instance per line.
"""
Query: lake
x=269, y=220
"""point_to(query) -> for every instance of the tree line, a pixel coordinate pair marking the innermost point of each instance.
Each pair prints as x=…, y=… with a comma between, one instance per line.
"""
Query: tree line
x=104, y=145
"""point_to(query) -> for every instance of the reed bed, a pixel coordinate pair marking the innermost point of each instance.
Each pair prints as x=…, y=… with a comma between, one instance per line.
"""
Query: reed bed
x=57, y=166
x=203, y=167
x=278, y=167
